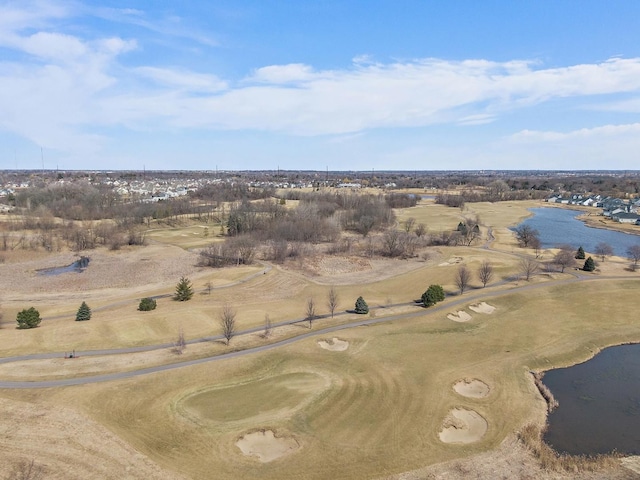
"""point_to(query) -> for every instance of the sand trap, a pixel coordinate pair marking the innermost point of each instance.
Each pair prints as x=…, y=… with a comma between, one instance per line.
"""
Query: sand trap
x=473, y=388
x=463, y=426
x=335, y=344
x=459, y=316
x=451, y=261
x=266, y=446
x=482, y=308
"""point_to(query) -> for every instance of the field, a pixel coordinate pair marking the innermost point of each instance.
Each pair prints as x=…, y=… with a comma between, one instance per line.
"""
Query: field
x=413, y=393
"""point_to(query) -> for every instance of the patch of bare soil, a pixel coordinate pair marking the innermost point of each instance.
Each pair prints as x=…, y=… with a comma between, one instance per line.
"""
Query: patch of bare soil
x=483, y=307
x=471, y=388
x=459, y=316
x=64, y=444
x=334, y=344
x=463, y=426
x=265, y=445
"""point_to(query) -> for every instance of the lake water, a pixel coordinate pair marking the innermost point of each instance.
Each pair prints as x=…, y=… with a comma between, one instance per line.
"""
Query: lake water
x=599, y=404
x=558, y=226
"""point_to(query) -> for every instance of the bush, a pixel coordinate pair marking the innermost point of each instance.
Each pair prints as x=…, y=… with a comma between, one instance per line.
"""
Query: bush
x=589, y=265
x=28, y=318
x=433, y=295
x=361, y=306
x=147, y=304
x=84, y=313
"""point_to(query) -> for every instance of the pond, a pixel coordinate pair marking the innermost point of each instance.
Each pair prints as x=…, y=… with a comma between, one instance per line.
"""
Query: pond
x=78, y=266
x=558, y=226
x=599, y=404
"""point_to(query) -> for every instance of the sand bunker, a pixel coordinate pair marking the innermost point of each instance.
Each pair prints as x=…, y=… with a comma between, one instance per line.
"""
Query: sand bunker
x=482, y=308
x=473, y=388
x=463, y=426
x=459, y=316
x=335, y=344
x=451, y=261
x=266, y=446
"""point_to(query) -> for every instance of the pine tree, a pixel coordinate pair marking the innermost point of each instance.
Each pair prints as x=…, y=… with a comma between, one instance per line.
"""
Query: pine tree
x=184, y=290
x=580, y=253
x=84, y=313
x=361, y=306
x=589, y=265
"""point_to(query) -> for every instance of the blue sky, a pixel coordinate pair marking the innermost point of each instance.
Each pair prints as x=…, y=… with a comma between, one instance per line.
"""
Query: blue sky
x=344, y=85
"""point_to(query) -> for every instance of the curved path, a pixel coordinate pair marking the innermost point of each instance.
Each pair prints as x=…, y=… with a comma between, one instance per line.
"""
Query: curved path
x=357, y=323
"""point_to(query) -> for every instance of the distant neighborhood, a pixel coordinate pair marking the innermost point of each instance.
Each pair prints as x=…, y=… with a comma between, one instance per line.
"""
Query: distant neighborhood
x=621, y=211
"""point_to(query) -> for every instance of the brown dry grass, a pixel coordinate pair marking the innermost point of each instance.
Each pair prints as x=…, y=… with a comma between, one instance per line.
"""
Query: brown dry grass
x=382, y=400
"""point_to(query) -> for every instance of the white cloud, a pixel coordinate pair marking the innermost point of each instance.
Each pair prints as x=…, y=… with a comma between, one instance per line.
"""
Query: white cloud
x=183, y=80
x=529, y=136
x=283, y=74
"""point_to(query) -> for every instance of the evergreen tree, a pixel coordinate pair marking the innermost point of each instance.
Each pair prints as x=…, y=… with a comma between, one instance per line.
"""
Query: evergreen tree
x=433, y=295
x=28, y=318
x=84, y=313
x=184, y=290
x=589, y=265
x=361, y=306
x=580, y=253
x=147, y=304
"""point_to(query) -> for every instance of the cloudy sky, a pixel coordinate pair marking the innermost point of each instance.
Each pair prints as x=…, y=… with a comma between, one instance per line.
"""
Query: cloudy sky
x=338, y=84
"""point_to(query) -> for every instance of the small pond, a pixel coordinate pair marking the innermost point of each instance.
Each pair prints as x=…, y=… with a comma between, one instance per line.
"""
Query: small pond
x=78, y=267
x=558, y=226
x=599, y=404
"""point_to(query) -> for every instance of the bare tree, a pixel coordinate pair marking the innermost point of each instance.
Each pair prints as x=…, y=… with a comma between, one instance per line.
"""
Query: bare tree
x=633, y=254
x=409, y=223
x=536, y=245
x=180, y=344
x=310, y=311
x=420, y=230
x=528, y=268
x=524, y=234
x=462, y=279
x=603, y=250
x=564, y=258
x=208, y=286
x=485, y=272
x=228, y=322
x=267, y=325
x=332, y=301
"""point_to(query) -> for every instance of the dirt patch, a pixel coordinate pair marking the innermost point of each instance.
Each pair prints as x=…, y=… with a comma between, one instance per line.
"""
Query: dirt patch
x=334, y=344
x=483, y=307
x=265, y=445
x=471, y=388
x=463, y=426
x=459, y=316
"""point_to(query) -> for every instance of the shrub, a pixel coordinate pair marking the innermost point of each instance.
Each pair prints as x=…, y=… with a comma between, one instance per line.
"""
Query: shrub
x=361, y=306
x=84, y=313
x=147, y=304
x=28, y=318
x=433, y=295
x=589, y=265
